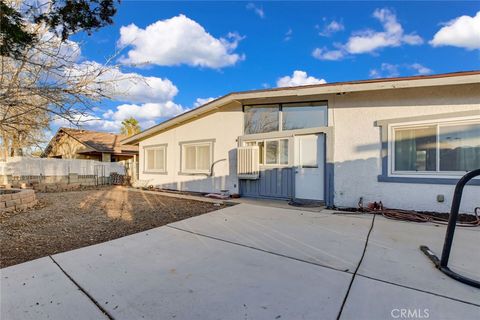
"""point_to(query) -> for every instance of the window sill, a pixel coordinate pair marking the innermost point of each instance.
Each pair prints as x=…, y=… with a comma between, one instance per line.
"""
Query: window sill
x=181, y=173
x=425, y=180
x=155, y=172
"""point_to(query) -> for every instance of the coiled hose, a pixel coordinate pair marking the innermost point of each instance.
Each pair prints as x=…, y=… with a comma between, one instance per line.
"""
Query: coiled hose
x=407, y=215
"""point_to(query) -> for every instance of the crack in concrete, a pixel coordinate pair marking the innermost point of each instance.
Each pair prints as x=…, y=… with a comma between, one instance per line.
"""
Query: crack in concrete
x=354, y=274
x=258, y=249
x=95, y=302
x=419, y=290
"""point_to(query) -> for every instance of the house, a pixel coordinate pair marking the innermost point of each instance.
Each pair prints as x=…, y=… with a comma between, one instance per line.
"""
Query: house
x=403, y=141
x=83, y=144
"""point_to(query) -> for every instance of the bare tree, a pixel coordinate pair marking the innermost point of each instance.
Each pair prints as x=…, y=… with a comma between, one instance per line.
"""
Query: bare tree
x=44, y=82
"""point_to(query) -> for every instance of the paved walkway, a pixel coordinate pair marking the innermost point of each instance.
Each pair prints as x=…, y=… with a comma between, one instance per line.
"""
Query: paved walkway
x=252, y=262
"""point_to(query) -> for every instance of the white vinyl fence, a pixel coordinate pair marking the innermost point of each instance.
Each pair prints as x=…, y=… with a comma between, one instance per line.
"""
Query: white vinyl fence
x=48, y=167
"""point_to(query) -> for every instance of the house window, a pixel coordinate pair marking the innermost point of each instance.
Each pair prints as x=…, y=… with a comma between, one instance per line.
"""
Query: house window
x=261, y=119
x=273, y=152
x=416, y=149
x=288, y=116
x=445, y=147
x=459, y=147
x=197, y=157
x=304, y=115
x=156, y=159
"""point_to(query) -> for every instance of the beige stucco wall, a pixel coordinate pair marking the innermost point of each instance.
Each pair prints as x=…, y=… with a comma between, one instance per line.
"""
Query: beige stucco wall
x=357, y=150
x=223, y=126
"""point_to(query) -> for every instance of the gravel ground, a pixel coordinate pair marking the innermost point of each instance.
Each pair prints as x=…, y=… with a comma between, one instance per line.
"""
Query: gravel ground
x=69, y=220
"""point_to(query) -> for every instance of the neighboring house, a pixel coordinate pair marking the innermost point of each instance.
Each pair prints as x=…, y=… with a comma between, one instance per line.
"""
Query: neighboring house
x=83, y=144
x=403, y=141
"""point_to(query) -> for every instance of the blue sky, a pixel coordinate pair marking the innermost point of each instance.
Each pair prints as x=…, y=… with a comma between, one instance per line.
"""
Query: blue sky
x=193, y=50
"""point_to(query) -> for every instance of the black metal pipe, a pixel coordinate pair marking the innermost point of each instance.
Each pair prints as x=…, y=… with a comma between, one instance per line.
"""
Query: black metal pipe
x=442, y=264
x=452, y=221
x=459, y=277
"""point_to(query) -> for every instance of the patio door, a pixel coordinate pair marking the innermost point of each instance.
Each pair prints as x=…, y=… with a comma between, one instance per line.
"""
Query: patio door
x=309, y=166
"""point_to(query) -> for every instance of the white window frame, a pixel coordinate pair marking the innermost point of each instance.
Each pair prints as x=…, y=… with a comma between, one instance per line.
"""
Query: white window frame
x=145, y=162
x=184, y=145
x=264, y=155
x=438, y=123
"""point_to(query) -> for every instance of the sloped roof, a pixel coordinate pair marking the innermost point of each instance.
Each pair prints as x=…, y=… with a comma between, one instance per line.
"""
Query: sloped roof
x=96, y=140
x=453, y=78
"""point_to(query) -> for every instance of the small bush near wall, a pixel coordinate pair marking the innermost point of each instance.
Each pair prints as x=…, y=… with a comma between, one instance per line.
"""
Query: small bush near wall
x=17, y=199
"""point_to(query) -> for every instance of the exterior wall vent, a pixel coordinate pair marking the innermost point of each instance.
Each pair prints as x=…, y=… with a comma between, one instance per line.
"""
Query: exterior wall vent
x=248, y=166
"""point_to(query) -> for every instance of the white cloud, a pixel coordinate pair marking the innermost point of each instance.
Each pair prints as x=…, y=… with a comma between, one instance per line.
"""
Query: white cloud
x=67, y=50
x=374, y=73
x=388, y=70
x=88, y=121
x=412, y=39
x=258, y=10
x=178, y=40
x=463, y=32
x=391, y=36
x=420, y=69
x=325, y=54
x=148, y=99
x=201, y=101
x=288, y=35
x=368, y=41
x=51, y=50
x=148, y=114
x=299, y=78
x=331, y=28
x=131, y=87
x=146, y=111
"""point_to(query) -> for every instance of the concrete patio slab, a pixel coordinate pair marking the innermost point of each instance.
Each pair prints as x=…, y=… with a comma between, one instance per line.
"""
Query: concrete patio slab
x=335, y=241
x=252, y=262
x=393, y=255
x=167, y=273
x=375, y=300
x=40, y=290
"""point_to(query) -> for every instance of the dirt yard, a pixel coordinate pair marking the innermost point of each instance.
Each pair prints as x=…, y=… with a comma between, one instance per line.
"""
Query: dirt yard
x=69, y=220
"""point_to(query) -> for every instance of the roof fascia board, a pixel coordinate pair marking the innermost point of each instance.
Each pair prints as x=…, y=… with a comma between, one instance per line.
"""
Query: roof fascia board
x=355, y=87
x=305, y=91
